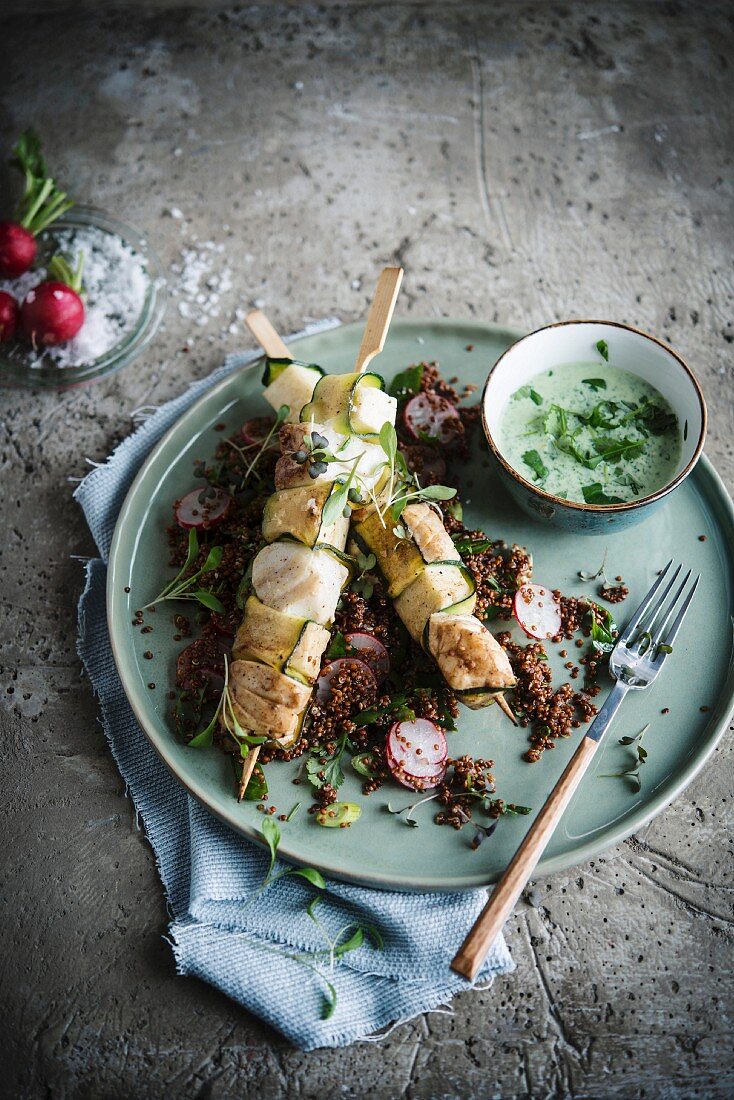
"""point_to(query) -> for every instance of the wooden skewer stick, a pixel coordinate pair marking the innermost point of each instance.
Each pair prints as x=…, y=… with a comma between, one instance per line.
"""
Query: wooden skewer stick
x=266, y=335
x=379, y=317
x=505, y=707
x=247, y=769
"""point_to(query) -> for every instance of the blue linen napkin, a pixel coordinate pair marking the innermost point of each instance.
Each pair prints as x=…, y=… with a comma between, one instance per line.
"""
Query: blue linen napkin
x=259, y=948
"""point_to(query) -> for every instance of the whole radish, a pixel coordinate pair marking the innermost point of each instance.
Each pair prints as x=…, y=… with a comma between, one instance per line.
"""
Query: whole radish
x=53, y=312
x=41, y=204
x=8, y=316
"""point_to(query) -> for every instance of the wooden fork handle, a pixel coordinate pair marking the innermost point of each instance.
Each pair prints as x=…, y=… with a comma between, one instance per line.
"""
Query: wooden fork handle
x=488, y=926
x=266, y=335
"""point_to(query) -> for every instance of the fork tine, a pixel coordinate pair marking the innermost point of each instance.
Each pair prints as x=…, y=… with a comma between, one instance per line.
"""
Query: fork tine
x=649, y=620
x=635, y=620
x=657, y=637
x=673, y=634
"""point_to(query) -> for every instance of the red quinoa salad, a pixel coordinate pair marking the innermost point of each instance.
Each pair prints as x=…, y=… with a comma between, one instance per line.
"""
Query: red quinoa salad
x=373, y=691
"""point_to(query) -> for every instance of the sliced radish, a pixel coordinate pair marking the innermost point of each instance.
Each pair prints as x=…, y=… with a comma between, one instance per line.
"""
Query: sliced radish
x=352, y=666
x=202, y=507
x=256, y=430
x=399, y=771
x=434, y=416
x=538, y=611
x=371, y=651
x=428, y=463
x=418, y=748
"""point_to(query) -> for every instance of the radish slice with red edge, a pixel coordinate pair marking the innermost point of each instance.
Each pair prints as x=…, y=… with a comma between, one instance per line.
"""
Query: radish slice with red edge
x=202, y=507
x=256, y=430
x=414, y=782
x=416, y=751
x=354, y=667
x=538, y=611
x=428, y=414
x=371, y=651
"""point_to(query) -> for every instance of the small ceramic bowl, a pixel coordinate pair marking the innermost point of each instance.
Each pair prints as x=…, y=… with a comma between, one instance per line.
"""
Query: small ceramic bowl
x=574, y=342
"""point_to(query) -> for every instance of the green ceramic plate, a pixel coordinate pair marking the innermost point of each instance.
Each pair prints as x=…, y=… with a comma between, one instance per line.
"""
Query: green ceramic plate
x=379, y=850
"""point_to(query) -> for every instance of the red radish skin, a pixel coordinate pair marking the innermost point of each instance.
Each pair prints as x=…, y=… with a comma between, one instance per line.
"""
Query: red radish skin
x=427, y=462
x=198, y=510
x=51, y=314
x=434, y=416
x=370, y=650
x=351, y=664
x=417, y=753
x=415, y=782
x=17, y=250
x=9, y=316
x=256, y=430
x=196, y=669
x=537, y=611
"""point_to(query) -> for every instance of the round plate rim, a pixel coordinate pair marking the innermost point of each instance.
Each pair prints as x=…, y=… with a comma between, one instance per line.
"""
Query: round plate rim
x=579, y=853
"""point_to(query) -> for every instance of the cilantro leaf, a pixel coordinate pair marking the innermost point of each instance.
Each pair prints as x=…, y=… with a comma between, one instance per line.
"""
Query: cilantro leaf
x=595, y=383
x=603, y=348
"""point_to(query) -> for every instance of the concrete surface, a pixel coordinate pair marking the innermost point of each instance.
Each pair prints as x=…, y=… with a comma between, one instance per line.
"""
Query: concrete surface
x=524, y=162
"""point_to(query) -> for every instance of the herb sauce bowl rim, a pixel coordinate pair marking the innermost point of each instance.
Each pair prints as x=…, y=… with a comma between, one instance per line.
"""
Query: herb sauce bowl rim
x=580, y=506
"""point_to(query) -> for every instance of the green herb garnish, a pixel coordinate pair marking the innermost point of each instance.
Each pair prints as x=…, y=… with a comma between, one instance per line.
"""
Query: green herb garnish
x=536, y=464
x=183, y=588
x=407, y=382
x=603, y=628
x=603, y=348
x=528, y=391
x=468, y=546
x=640, y=757
x=595, y=383
x=594, y=494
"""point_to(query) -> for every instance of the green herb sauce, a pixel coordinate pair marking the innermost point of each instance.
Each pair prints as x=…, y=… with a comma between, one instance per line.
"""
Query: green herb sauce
x=591, y=433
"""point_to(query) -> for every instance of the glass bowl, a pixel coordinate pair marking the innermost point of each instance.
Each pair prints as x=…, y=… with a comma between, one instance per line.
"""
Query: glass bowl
x=15, y=358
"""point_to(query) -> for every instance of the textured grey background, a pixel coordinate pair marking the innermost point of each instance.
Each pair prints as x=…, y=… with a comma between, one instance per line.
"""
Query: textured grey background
x=524, y=162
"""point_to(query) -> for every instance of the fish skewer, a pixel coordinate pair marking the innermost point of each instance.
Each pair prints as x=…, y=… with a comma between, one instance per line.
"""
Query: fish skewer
x=432, y=589
x=298, y=576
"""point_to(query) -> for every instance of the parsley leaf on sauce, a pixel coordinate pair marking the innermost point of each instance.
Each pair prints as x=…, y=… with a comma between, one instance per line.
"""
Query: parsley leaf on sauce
x=594, y=494
x=535, y=462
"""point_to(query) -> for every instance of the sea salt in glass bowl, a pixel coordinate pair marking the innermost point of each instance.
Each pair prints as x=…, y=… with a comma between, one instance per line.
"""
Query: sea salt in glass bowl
x=20, y=365
x=575, y=342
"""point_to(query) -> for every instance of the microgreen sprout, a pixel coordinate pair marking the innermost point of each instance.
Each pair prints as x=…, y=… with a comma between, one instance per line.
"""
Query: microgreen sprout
x=363, y=583
x=184, y=588
x=640, y=757
x=280, y=418
x=586, y=576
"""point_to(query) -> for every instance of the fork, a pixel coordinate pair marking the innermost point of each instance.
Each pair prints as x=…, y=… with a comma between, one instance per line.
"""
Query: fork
x=635, y=662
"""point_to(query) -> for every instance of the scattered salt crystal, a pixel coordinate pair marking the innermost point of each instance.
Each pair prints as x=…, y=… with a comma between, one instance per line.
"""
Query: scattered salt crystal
x=177, y=152
x=176, y=213
x=298, y=85
x=115, y=284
